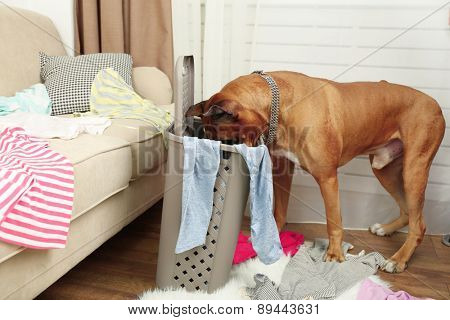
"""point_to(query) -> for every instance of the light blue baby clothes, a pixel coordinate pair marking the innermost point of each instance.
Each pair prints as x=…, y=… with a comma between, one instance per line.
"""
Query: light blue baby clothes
x=34, y=99
x=264, y=232
x=201, y=164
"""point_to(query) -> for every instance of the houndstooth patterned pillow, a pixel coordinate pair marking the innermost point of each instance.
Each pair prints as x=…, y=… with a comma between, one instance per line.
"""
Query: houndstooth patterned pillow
x=69, y=79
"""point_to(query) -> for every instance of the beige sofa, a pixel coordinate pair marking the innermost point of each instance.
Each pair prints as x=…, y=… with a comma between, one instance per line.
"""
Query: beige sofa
x=118, y=175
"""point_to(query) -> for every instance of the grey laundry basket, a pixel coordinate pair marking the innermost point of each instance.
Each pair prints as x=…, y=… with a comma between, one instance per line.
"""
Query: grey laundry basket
x=206, y=267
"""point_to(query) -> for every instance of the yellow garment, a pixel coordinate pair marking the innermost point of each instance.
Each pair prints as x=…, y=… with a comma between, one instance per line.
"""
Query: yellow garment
x=112, y=97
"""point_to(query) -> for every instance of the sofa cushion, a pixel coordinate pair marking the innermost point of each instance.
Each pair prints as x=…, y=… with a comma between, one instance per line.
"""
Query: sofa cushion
x=102, y=166
x=147, y=146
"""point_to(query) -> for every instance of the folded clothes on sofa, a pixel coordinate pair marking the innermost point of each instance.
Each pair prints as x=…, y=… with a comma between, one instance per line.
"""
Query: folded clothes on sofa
x=34, y=99
x=113, y=98
x=48, y=127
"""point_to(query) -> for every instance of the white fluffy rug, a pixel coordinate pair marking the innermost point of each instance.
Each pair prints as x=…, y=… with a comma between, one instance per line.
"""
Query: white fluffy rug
x=242, y=276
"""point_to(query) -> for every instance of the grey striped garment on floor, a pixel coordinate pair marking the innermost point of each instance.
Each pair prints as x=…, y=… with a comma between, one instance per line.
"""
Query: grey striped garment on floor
x=265, y=289
x=307, y=276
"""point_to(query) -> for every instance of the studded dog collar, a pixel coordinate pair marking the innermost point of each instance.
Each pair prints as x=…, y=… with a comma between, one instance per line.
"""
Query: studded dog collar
x=274, y=107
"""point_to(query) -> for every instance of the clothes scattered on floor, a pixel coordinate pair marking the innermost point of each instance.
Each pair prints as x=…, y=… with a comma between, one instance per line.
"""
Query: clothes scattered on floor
x=113, y=98
x=48, y=127
x=320, y=246
x=34, y=99
x=370, y=290
x=307, y=276
x=290, y=242
x=244, y=249
x=446, y=239
x=325, y=280
x=263, y=228
x=201, y=164
x=265, y=289
x=36, y=192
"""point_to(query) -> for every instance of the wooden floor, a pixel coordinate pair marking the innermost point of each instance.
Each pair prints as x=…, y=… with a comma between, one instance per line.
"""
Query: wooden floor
x=125, y=265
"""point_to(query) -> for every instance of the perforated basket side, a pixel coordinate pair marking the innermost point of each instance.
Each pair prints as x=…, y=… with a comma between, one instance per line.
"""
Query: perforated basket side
x=193, y=268
x=206, y=267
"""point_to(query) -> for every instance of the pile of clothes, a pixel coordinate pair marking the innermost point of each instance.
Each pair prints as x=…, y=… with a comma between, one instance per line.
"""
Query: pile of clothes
x=307, y=276
x=111, y=98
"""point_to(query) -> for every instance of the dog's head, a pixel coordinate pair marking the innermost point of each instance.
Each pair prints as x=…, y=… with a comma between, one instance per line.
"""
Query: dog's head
x=226, y=118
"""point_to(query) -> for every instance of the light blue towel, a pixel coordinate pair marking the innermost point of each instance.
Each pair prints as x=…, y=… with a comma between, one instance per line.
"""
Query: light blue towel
x=264, y=232
x=201, y=164
x=34, y=99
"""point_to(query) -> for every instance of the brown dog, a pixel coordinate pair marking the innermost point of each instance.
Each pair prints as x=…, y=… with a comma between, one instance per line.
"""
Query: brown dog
x=324, y=124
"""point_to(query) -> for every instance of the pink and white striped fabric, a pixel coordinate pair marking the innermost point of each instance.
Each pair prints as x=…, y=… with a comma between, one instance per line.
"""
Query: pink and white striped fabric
x=36, y=192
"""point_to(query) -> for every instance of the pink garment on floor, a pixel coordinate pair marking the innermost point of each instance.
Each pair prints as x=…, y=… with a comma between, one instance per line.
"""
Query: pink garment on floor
x=36, y=192
x=370, y=290
x=290, y=241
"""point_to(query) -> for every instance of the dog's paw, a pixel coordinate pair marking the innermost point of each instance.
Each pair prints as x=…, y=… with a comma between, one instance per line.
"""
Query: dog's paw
x=332, y=256
x=392, y=266
x=378, y=230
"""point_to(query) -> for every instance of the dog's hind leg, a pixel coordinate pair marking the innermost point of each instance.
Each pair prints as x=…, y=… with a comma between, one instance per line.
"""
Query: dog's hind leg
x=391, y=178
x=421, y=137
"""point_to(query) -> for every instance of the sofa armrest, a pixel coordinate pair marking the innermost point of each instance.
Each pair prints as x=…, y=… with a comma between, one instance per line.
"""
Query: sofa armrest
x=152, y=84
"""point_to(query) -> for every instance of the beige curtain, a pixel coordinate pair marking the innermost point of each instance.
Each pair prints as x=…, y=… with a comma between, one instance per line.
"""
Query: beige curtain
x=142, y=28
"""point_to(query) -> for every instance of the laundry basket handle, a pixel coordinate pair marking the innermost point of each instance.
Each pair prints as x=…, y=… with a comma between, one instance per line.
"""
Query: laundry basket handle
x=184, y=92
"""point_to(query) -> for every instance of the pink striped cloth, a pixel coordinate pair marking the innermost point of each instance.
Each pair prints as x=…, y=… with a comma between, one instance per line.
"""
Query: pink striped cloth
x=36, y=192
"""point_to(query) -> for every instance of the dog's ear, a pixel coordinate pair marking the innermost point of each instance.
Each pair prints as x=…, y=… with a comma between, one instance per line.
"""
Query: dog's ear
x=227, y=109
x=217, y=111
x=196, y=109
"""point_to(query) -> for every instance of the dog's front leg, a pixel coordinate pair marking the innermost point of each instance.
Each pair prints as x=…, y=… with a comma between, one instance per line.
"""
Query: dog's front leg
x=282, y=172
x=330, y=193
